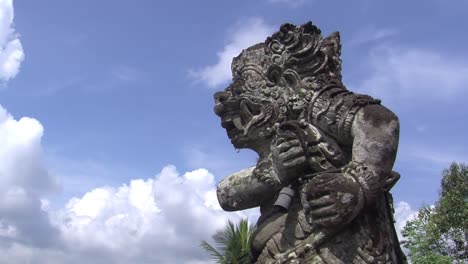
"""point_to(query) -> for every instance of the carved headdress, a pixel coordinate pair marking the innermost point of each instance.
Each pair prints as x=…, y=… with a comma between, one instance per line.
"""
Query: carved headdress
x=304, y=69
x=296, y=53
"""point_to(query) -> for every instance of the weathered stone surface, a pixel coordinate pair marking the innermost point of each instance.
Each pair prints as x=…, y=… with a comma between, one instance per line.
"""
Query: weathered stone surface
x=326, y=154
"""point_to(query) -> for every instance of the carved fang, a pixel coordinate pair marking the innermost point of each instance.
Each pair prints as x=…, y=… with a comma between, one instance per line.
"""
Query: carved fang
x=238, y=123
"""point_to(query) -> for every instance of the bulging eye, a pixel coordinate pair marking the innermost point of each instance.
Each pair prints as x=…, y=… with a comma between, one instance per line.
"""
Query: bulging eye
x=237, y=87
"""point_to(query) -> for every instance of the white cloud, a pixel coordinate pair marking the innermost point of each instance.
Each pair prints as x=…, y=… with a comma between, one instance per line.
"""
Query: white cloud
x=158, y=220
x=245, y=34
x=21, y=155
x=401, y=75
x=23, y=178
x=403, y=214
x=23, y=173
x=170, y=213
x=11, y=50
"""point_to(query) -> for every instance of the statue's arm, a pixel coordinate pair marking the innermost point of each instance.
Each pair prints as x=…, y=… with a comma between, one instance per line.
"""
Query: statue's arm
x=368, y=128
x=336, y=198
x=375, y=133
x=247, y=188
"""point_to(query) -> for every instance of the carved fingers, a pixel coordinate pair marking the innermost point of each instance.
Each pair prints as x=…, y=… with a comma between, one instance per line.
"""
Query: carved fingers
x=288, y=158
x=331, y=199
x=291, y=153
x=322, y=202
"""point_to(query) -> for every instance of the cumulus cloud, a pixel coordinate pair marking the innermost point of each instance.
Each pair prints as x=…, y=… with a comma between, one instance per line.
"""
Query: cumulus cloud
x=245, y=34
x=157, y=220
x=21, y=155
x=403, y=214
x=23, y=174
x=11, y=50
x=23, y=178
x=402, y=74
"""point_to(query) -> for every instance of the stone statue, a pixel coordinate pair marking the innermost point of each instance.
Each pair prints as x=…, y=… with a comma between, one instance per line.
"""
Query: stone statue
x=326, y=154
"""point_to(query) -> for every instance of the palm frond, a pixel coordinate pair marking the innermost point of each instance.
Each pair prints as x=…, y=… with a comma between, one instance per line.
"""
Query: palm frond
x=216, y=255
x=232, y=244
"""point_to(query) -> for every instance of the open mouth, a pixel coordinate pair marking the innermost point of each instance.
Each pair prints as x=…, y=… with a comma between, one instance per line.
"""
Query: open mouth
x=233, y=124
x=239, y=122
x=231, y=121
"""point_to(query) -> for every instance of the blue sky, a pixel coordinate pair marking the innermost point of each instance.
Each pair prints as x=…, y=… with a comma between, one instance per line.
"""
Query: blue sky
x=123, y=89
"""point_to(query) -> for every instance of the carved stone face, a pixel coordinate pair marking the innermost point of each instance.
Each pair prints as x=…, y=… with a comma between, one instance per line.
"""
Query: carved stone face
x=246, y=112
x=273, y=82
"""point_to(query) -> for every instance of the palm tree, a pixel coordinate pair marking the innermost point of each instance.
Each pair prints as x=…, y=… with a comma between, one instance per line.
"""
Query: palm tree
x=232, y=243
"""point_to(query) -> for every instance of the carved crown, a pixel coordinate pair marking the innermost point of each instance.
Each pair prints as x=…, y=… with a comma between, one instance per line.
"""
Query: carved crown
x=293, y=53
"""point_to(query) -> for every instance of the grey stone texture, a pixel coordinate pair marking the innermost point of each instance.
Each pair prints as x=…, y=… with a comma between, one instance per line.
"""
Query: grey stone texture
x=326, y=154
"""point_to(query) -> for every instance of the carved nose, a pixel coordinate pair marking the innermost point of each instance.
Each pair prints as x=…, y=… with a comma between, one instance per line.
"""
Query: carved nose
x=221, y=97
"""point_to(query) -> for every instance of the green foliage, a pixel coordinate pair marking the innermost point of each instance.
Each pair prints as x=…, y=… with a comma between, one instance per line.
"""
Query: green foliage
x=232, y=244
x=439, y=234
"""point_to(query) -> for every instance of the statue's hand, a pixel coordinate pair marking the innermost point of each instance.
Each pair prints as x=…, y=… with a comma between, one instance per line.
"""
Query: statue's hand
x=332, y=199
x=288, y=158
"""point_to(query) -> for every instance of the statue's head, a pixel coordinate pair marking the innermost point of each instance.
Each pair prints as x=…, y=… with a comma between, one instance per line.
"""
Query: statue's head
x=274, y=82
